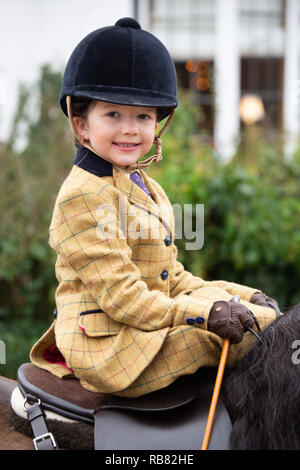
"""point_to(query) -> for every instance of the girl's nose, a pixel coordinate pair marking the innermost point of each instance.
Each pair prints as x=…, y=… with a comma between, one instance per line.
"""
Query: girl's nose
x=129, y=127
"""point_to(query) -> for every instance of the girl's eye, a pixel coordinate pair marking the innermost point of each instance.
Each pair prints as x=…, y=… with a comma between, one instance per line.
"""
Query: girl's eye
x=144, y=116
x=112, y=114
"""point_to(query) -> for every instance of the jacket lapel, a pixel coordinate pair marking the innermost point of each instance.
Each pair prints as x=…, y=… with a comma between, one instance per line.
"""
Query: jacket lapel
x=138, y=197
x=157, y=207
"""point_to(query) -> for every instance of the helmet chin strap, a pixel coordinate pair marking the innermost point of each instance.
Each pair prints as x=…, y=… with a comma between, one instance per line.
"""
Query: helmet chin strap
x=138, y=165
x=158, y=147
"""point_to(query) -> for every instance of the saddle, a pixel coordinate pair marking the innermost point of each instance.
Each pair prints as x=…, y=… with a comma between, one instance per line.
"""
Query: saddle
x=60, y=412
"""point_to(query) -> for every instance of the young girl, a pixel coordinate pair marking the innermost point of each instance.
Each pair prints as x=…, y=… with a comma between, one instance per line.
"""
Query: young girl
x=129, y=319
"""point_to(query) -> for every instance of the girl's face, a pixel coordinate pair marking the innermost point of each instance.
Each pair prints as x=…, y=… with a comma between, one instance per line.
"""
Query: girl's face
x=120, y=134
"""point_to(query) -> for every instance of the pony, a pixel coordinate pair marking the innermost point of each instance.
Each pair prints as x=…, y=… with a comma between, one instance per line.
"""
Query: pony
x=10, y=439
x=261, y=393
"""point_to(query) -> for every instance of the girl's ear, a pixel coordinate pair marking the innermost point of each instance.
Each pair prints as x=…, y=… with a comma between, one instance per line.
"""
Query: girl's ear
x=81, y=127
x=156, y=125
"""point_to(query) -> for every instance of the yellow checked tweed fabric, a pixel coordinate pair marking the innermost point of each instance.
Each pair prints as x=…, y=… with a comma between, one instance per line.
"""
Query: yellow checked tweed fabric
x=122, y=326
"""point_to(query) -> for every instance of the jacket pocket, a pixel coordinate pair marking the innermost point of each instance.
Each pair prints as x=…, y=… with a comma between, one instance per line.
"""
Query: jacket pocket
x=96, y=323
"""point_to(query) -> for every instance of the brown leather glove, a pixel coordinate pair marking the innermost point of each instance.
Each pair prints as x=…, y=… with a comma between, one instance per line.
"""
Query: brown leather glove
x=262, y=299
x=230, y=320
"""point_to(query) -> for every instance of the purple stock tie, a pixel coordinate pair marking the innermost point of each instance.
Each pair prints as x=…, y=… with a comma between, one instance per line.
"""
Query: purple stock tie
x=137, y=179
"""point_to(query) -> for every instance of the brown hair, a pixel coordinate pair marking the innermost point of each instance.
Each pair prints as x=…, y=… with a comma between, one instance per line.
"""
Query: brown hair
x=80, y=107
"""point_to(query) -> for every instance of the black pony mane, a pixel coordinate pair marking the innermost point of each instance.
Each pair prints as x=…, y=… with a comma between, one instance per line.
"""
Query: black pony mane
x=262, y=393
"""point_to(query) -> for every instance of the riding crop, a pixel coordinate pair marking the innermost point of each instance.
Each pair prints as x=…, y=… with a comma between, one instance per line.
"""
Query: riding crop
x=217, y=388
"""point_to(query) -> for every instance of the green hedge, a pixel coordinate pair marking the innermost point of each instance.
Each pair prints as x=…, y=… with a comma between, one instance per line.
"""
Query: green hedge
x=251, y=205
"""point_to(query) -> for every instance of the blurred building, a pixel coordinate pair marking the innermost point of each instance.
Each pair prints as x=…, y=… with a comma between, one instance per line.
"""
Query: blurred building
x=240, y=58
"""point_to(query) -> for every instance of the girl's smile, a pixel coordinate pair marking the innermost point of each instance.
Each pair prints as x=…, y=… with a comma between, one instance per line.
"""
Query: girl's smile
x=126, y=146
x=120, y=134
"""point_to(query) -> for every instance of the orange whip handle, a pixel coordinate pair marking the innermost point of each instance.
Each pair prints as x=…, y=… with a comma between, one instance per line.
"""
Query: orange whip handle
x=215, y=396
x=217, y=388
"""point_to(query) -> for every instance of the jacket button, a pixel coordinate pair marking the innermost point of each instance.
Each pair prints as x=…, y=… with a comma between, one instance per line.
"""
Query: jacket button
x=200, y=320
x=190, y=321
x=164, y=274
x=168, y=241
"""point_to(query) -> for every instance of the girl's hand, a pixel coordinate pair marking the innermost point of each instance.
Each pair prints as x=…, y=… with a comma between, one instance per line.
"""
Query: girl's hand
x=230, y=320
x=264, y=301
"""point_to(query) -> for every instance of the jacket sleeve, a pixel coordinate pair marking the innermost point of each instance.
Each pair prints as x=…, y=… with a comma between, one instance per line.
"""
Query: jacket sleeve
x=184, y=282
x=101, y=257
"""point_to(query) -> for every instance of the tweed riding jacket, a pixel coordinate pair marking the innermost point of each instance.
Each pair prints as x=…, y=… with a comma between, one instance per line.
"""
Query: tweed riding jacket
x=130, y=319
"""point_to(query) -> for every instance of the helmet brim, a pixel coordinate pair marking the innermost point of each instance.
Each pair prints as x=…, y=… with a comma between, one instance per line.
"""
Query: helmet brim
x=124, y=96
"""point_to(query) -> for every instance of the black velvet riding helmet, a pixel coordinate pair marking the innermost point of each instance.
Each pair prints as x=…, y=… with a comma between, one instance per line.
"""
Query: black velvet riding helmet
x=122, y=64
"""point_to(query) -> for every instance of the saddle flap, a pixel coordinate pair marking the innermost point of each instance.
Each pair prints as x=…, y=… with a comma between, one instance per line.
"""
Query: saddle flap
x=178, y=394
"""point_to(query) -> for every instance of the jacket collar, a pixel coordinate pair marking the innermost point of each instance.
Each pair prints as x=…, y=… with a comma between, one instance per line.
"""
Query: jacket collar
x=89, y=161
